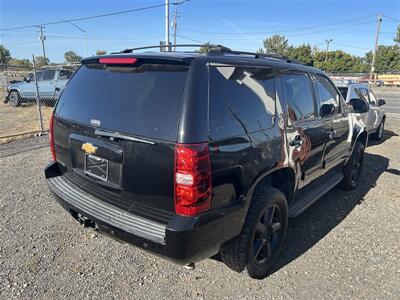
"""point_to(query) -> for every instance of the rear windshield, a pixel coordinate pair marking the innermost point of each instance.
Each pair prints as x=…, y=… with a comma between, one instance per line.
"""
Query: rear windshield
x=143, y=101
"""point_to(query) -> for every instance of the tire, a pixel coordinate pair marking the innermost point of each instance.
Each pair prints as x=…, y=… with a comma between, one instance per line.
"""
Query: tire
x=353, y=168
x=259, y=244
x=378, y=134
x=14, y=99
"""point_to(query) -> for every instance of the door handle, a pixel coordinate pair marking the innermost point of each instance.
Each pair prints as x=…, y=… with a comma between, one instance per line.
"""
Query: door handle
x=331, y=134
x=57, y=89
x=296, y=142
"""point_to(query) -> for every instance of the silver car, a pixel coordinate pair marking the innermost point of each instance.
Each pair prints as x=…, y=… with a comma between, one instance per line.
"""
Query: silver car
x=374, y=119
x=50, y=85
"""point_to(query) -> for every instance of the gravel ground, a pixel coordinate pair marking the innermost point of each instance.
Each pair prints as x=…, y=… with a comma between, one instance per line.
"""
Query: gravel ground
x=345, y=246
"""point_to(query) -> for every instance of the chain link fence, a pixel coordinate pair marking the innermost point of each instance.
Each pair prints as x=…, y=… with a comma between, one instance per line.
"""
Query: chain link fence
x=27, y=98
x=392, y=107
x=22, y=114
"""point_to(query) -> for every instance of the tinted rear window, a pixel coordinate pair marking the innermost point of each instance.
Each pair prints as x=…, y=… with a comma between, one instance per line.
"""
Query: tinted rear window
x=242, y=100
x=144, y=101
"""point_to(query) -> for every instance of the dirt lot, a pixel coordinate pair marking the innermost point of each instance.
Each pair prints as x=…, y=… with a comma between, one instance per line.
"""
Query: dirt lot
x=20, y=120
x=345, y=246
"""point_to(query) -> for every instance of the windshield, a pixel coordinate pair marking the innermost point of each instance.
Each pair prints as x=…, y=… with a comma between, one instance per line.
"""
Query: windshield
x=143, y=101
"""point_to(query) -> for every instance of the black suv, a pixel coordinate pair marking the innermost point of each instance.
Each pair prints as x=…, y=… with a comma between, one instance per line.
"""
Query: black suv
x=191, y=155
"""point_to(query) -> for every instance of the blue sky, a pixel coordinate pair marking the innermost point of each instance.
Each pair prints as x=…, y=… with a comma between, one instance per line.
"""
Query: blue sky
x=238, y=24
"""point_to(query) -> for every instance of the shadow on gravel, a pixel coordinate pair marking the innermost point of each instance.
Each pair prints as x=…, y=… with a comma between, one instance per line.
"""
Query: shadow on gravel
x=316, y=222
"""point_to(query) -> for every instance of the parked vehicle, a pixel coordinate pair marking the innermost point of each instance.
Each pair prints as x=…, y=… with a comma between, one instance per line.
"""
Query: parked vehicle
x=375, y=118
x=51, y=82
x=188, y=155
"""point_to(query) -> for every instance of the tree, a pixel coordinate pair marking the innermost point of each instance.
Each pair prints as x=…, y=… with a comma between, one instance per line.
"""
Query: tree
x=277, y=44
x=5, y=55
x=387, y=58
x=339, y=62
x=204, y=49
x=397, y=38
x=41, y=61
x=302, y=53
x=70, y=56
x=25, y=63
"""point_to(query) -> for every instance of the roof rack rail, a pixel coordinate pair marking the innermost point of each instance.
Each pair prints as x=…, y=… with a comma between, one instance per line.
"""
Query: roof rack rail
x=216, y=49
x=256, y=55
x=210, y=46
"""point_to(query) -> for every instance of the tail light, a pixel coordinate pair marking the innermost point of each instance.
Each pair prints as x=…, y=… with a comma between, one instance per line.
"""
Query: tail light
x=192, y=179
x=51, y=136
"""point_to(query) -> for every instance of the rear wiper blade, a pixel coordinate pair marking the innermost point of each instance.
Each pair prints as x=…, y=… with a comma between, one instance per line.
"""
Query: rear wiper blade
x=117, y=135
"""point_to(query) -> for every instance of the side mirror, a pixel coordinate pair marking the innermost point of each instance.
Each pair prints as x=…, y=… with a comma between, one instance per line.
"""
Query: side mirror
x=27, y=79
x=359, y=105
x=326, y=109
x=381, y=102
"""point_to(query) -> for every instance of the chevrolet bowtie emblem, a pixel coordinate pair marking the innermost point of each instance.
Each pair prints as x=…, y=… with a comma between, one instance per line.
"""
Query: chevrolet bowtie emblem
x=89, y=148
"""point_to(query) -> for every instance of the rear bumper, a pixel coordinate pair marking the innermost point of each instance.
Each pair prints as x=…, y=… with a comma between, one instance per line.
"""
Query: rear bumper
x=183, y=240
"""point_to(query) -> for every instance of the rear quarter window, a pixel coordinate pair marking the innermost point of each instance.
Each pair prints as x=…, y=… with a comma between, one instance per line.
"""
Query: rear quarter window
x=242, y=100
x=144, y=101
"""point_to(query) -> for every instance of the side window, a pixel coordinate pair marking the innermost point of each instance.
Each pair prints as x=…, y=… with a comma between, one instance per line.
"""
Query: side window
x=241, y=100
x=357, y=94
x=64, y=75
x=364, y=94
x=327, y=93
x=49, y=75
x=39, y=75
x=299, y=97
x=372, y=98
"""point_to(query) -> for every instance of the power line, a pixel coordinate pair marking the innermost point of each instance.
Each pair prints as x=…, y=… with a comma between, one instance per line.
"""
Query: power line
x=97, y=16
x=392, y=19
x=190, y=39
x=293, y=35
x=282, y=31
x=60, y=35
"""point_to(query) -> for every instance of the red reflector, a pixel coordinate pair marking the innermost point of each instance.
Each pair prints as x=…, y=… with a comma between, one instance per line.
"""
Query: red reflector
x=51, y=137
x=192, y=179
x=118, y=60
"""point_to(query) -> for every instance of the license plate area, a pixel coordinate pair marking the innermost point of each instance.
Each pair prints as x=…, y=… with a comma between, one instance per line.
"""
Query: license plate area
x=96, y=167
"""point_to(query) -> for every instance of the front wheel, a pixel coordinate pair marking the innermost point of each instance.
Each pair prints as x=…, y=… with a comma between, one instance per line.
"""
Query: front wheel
x=258, y=246
x=353, y=168
x=14, y=99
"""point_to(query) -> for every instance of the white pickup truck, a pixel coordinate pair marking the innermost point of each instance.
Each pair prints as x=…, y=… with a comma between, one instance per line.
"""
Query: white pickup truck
x=374, y=119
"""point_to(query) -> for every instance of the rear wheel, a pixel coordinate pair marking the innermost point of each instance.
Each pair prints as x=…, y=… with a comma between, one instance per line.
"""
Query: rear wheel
x=353, y=168
x=378, y=134
x=257, y=248
x=14, y=99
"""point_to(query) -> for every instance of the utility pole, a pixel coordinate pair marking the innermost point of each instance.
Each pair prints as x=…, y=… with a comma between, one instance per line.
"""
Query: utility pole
x=175, y=26
x=39, y=108
x=327, y=48
x=378, y=28
x=167, y=48
x=42, y=38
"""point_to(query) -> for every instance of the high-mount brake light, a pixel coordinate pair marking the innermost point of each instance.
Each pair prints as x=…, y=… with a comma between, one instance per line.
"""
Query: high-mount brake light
x=118, y=60
x=192, y=179
x=51, y=137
